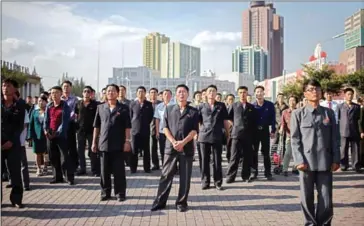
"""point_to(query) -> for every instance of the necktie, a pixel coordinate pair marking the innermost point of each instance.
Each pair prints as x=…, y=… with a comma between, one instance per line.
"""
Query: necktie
x=330, y=105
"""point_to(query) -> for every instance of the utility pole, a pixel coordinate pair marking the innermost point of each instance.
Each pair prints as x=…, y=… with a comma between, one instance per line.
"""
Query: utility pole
x=98, y=69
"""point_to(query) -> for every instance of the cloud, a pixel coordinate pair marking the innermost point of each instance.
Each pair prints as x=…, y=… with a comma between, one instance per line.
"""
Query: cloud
x=14, y=47
x=208, y=39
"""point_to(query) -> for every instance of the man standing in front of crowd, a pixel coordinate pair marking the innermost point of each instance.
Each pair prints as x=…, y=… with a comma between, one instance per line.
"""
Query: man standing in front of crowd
x=112, y=139
x=316, y=154
x=71, y=101
x=56, y=121
x=12, y=124
x=243, y=118
x=180, y=127
x=87, y=111
x=141, y=114
x=349, y=115
x=266, y=117
x=153, y=94
x=213, y=119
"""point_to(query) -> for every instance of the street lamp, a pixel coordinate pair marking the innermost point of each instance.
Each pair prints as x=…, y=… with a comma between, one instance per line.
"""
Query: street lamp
x=98, y=69
x=189, y=75
x=256, y=83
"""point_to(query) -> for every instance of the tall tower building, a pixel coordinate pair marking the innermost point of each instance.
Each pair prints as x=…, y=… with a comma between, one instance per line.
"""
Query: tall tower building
x=152, y=50
x=264, y=28
x=354, y=29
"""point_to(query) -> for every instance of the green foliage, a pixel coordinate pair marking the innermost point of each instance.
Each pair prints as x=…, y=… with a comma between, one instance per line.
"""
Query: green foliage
x=77, y=84
x=355, y=80
x=18, y=76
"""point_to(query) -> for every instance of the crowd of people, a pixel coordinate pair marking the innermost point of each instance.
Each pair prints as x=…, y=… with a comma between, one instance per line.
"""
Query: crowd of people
x=168, y=132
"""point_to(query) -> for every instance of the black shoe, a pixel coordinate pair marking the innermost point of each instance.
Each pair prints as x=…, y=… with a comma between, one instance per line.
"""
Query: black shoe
x=285, y=174
x=71, y=182
x=27, y=188
x=229, y=181
x=96, y=175
x=295, y=172
x=18, y=205
x=244, y=180
x=56, y=181
x=219, y=188
x=147, y=171
x=181, y=208
x=133, y=171
x=121, y=198
x=8, y=186
x=105, y=198
x=205, y=187
x=81, y=173
x=344, y=168
x=155, y=168
x=250, y=179
x=157, y=207
x=269, y=177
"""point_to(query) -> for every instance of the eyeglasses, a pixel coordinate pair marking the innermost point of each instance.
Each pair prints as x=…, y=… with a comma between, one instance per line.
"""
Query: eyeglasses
x=317, y=89
x=87, y=91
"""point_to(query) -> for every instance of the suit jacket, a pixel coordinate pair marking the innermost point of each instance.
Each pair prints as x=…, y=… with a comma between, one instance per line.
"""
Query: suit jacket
x=35, y=128
x=361, y=121
x=212, y=122
x=349, y=120
x=314, y=138
x=141, y=117
x=180, y=125
x=244, y=120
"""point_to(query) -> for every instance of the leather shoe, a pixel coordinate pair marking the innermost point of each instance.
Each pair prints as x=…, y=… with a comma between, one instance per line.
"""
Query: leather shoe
x=219, y=188
x=105, y=198
x=157, y=207
x=8, y=186
x=205, y=187
x=229, y=181
x=56, y=181
x=71, y=182
x=269, y=177
x=181, y=208
x=121, y=198
x=18, y=205
x=155, y=168
x=250, y=179
x=80, y=173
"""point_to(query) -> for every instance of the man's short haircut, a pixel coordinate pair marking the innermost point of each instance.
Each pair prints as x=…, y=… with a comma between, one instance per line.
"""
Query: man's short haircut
x=203, y=90
x=122, y=86
x=161, y=92
x=242, y=87
x=36, y=97
x=17, y=93
x=88, y=87
x=67, y=82
x=113, y=85
x=14, y=83
x=259, y=87
x=167, y=90
x=212, y=86
x=280, y=94
x=153, y=88
x=348, y=90
x=183, y=86
x=195, y=93
x=44, y=98
x=141, y=87
x=219, y=94
x=312, y=82
x=230, y=95
x=58, y=88
x=295, y=97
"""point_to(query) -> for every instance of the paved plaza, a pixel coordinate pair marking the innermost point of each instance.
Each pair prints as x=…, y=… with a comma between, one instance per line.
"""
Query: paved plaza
x=259, y=203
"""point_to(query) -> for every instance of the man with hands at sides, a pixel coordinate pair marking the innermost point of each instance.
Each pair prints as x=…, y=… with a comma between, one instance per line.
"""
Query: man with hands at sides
x=316, y=154
x=180, y=126
x=112, y=137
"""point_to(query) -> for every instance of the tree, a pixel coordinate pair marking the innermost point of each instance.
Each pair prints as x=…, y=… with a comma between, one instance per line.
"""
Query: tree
x=328, y=79
x=355, y=80
x=18, y=76
x=77, y=84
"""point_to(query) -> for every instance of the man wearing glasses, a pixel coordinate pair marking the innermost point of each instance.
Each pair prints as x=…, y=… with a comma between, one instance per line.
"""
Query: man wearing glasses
x=316, y=154
x=87, y=111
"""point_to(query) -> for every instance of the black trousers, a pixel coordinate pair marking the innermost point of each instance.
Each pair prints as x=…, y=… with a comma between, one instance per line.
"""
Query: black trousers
x=198, y=147
x=262, y=138
x=140, y=143
x=168, y=172
x=324, y=208
x=162, y=145
x=208, y=149
x=154, y=150
x=94, y=157
x=228, y=149
x=240, y=149
x=12, y=158
x=72, y=146
x=344, y=152
x=112, y=162
x=60, y=159
x=24, y=168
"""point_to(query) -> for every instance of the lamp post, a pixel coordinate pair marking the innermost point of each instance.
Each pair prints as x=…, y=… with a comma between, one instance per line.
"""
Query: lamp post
x=98, y=69
x=188, y=76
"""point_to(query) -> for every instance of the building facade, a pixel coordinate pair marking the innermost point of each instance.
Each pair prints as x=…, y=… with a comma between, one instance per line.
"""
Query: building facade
x=264, y=28
x=251, y=60
x=152, y=50
x=354, y=29
x=180, y=60
x=353, y=59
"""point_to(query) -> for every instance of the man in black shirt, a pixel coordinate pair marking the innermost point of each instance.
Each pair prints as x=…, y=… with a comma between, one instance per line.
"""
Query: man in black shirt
x=112, y=137
x=213, y=118
x=180, y=126
x=87, y=111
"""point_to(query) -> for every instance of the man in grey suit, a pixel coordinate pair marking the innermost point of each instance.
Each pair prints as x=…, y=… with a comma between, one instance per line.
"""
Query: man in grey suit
x=348, y=116
x=316, y=154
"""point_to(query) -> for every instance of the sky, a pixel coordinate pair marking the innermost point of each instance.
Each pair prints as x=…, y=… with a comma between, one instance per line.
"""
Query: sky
x=65, y=37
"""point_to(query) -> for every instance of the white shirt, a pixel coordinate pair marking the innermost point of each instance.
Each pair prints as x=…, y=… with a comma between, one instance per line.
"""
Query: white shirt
x=23, y=134
x=159, y=114
x=334, y=105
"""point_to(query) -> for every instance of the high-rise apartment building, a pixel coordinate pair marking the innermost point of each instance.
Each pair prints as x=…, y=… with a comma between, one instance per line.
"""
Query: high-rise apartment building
x=264, y=28
x=152, y=50
x=180, y=60
x=250, y=60
x=354, y=29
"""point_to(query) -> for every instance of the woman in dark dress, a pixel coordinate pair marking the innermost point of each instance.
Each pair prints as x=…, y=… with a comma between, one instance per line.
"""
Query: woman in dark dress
x=36, y=134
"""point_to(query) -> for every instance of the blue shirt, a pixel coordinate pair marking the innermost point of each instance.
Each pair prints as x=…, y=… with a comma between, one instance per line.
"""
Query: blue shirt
x=266, y=114
x=159, y=114
x=71, y=102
